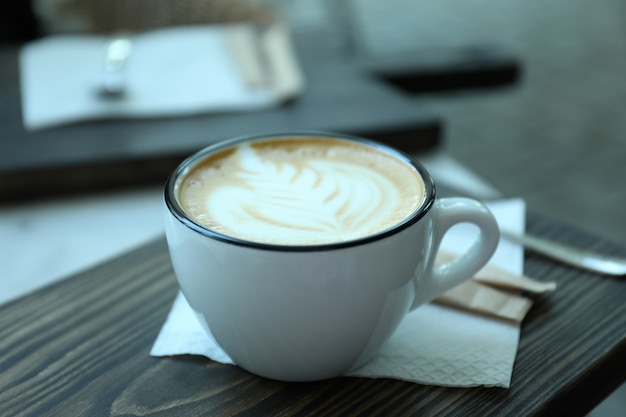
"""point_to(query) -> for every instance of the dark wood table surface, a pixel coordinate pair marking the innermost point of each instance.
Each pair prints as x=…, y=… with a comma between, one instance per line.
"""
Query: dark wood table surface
x=80, y=347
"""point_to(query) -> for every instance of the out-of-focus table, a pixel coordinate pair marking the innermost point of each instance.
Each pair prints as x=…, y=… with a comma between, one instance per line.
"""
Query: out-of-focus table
x=339, y=96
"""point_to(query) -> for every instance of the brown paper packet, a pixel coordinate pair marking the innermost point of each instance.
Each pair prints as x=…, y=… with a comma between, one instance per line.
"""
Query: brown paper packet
x=483, y=299
x=490, y=292
x=266, y=58
x=244, y=47
x=498, y=277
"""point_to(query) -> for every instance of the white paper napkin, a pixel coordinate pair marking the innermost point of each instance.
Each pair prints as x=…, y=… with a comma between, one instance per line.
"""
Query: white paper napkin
x=434, y=345
x=170, y=72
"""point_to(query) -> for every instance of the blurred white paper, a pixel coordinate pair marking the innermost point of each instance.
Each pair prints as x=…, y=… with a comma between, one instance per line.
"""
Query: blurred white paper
x=434, y=345
x=170, y=72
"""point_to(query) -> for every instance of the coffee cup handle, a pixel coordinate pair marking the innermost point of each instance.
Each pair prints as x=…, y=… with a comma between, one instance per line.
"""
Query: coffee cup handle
x=446, y=213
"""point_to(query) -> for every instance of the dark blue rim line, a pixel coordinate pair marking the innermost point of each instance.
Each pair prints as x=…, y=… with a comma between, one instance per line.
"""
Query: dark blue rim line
x=171, y=192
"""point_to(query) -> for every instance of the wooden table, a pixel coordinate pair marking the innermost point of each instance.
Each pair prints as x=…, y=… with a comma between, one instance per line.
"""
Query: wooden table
x=80, y=347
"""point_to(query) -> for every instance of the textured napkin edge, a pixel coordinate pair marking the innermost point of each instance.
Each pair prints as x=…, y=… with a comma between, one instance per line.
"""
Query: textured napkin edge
x=194, y=340
x=439, y=376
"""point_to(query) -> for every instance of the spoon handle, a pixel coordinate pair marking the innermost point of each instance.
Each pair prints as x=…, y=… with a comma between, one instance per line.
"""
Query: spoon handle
x=572, y=256
x=116, y=54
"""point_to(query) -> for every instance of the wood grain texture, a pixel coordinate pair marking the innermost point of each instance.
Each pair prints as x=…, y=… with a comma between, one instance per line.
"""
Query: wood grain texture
x=81, y=348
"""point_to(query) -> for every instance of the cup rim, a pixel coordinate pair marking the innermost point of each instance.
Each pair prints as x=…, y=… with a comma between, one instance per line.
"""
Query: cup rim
x=174, y=207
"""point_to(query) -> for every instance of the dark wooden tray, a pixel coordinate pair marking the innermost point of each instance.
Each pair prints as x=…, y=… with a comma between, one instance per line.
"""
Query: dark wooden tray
x=80, y=347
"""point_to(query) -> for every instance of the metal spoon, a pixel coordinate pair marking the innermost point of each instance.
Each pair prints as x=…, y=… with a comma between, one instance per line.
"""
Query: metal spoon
x=116, y=53
x=580, y=258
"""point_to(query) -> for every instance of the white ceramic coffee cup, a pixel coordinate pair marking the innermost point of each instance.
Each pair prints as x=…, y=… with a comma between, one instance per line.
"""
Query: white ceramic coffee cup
x=303, y=313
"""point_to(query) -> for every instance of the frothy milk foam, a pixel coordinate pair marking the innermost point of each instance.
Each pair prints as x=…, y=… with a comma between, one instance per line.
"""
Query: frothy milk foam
x=301, y=191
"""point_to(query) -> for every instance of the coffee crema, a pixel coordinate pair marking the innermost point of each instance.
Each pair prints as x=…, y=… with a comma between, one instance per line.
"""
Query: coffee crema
x=300, y=191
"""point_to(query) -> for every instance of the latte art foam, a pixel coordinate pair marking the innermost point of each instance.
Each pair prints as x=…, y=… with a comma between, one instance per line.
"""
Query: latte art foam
x=301, y=191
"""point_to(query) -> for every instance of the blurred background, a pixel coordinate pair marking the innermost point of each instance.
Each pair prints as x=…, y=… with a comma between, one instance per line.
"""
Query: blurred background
x=542, y=115
x=556, y=135
x=545, y=122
